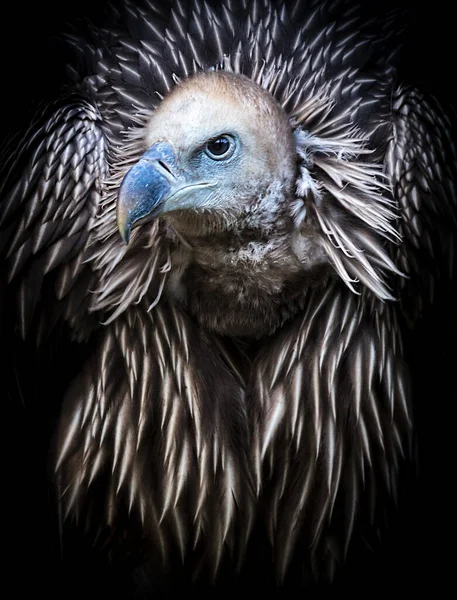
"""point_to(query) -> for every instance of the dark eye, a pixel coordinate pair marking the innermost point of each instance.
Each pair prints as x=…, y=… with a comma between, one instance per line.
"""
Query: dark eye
x=220, y=148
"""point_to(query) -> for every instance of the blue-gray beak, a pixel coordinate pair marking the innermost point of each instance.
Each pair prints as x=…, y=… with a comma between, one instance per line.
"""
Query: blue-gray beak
x=144, y=187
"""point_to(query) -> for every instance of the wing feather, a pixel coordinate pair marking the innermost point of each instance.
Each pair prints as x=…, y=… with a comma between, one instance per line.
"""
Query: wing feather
x=422, y=164
x=318, y=477
x=178, y=462
x=49, y=199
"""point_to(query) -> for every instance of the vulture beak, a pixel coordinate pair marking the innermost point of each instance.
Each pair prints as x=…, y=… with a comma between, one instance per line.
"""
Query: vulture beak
x=155, y=185
x=144, y=187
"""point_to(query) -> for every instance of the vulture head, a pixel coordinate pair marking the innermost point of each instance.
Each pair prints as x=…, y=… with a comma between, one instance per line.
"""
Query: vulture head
x=228, y=171
x=221, y=157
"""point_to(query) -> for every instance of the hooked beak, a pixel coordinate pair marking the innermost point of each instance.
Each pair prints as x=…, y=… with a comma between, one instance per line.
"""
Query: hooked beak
x=152, y=187
x=144, y=187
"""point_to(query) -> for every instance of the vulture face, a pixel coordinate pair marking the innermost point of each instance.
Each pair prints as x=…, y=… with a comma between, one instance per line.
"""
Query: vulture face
x=221, y=156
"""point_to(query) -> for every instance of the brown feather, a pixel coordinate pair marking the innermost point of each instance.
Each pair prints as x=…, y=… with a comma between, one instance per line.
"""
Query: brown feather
x=244, y=365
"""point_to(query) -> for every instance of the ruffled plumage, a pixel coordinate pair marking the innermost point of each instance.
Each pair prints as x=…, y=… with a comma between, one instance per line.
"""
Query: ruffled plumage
x=196, y=437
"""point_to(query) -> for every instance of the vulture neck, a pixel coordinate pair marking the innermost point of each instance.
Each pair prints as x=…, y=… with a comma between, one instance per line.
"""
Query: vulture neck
x=239, y=283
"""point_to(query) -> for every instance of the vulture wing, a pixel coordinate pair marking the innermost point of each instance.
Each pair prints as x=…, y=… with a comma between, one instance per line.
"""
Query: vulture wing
x=421, y=162
x=51, y=192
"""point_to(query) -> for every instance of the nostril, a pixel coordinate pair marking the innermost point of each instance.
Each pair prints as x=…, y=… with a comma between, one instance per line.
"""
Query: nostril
x=162, y=158
x=165, y=166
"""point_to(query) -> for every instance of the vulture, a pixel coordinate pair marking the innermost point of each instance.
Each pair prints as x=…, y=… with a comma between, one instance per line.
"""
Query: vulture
x=214, y=240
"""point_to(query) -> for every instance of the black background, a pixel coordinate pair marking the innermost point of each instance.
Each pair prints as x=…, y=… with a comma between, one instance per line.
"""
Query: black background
x=421, y=559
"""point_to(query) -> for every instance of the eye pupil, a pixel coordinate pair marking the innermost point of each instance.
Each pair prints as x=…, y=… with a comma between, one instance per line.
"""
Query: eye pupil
x=219, y=147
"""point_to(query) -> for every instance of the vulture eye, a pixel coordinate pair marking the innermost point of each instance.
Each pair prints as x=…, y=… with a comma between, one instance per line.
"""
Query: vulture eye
x=220, y=148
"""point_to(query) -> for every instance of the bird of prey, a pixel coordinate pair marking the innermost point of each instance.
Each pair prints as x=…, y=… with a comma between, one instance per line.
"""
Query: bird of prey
x=231, y=211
